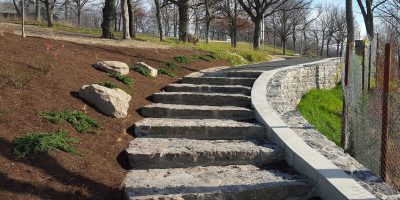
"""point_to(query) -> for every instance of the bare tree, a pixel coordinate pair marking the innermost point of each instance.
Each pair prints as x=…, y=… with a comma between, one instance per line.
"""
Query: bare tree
x=209, y=5
x=259, y=9
x=78, y=5
x=230, y=11
x=49, y=5
x=367, y=12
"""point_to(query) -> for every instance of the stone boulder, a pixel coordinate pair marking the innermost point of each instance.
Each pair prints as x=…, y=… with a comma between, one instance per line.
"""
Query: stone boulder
x=112, y=67
x=113, y=102
x=152, y=71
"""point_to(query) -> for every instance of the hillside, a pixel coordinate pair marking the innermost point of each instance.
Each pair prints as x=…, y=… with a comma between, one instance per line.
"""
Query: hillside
x=39, y=75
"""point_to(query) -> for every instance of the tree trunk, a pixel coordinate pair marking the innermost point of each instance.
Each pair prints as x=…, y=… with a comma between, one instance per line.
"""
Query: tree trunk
x=159, y=20
x=108, y=19
x=322, y=44
x=257, y=32
x=79, y=17
x=284, y=46
x=49, y=14
x=327, y=47
x=23, y=18
x=183, y=20
x=350, y=21
x=294, y=37
x=208, y=20
x=37, y=10
x=66, y=9
x=125, y=19
x=175, y=22
x=131, y=19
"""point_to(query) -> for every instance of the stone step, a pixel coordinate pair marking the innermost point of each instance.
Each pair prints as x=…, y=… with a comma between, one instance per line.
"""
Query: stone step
x=162, y=153
x=200, y=129
x=160, y=110
x=242, y=74
x=229, y=89
x=210, y=99
x=219, y=81
x=238, y=182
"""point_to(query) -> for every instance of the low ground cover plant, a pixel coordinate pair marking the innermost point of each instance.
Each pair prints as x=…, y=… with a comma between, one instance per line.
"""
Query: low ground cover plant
x=172, y=66
x=141, y=70
x=123, y=78
x=79, y=120
x=183, y=59
x=34, y=143
x=108, y=84
x=166, y=72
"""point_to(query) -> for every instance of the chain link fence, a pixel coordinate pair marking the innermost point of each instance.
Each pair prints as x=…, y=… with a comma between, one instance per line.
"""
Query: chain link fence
x=370, y=112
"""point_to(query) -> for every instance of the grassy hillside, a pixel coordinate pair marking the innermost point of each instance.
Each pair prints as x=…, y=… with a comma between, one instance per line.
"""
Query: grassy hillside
x=243, y=54
x=323, y=110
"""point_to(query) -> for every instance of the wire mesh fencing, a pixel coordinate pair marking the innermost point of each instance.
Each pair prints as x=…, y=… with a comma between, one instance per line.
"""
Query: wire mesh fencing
x=372, y=110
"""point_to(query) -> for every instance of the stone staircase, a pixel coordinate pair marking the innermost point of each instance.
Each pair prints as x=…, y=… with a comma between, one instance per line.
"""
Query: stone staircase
x=200, y=140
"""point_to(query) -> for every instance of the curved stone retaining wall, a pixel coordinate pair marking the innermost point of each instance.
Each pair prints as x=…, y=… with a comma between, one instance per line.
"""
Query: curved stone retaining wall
x=337, y=175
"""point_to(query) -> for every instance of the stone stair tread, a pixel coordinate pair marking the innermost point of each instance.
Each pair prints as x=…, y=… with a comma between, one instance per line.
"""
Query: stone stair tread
x=219, y=80
x=178, y=152
x=232, y=73
x=196, y=107
x=199, y=129
x=193, y=98
x=206, y=85
x=216, y=182
x=205, y=88
x=204, y=94
x=161, y=110
x=195, y=122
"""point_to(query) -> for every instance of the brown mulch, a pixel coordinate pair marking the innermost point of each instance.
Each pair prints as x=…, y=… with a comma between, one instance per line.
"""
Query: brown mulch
x=40, y=81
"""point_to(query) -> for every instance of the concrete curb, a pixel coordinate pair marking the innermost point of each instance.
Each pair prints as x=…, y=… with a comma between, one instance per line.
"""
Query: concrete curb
x=331, y=182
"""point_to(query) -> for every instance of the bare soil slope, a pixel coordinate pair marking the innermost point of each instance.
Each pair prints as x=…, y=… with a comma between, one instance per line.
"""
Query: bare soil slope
x=33, y=79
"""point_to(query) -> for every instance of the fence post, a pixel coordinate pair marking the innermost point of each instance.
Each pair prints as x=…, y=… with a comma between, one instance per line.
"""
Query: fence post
x=344, y=136
x=385, y=113
x=363, y=70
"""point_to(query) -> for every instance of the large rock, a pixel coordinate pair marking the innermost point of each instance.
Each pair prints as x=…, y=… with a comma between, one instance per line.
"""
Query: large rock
x=112, y=67
x=113, y=102
x=152, y=71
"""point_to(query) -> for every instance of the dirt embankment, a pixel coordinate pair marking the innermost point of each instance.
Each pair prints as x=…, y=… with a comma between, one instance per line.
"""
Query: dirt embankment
x=33, y=79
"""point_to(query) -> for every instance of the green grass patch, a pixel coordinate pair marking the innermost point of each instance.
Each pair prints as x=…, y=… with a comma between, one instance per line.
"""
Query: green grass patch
x=323, y=110
x=183, y=59
x=108, y=84
x=79, y=120
x=123, y=78
x=34, y=143
x=141, y=70
x=172, y=66
x=166, y=72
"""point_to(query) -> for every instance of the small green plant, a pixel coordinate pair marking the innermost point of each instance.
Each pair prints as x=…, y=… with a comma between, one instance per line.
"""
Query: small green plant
x=108, y=84
x=172, y=65
x=123, y=78
x=166, y=72
x=34, y=143
x=183, y=59
x=79, y=120
x=141, y=70
x=207, y=58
